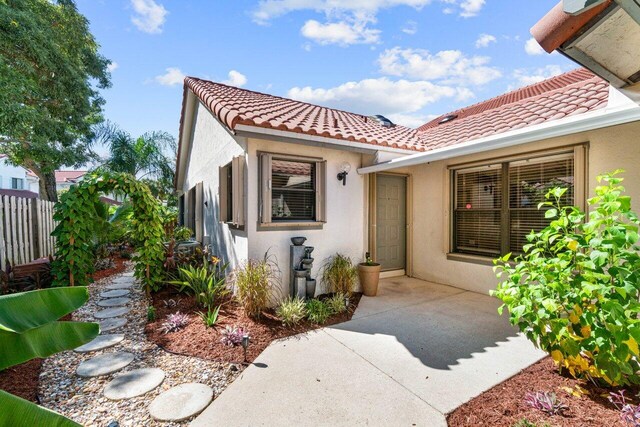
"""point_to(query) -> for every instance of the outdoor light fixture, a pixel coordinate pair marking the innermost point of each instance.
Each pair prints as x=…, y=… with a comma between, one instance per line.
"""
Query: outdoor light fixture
x=346, y=302
x=245, y=344
x=345, y=167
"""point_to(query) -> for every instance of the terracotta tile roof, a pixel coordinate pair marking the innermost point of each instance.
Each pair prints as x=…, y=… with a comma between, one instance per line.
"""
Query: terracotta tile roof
x=572, y=93
x=234, y=106
x=68, y=176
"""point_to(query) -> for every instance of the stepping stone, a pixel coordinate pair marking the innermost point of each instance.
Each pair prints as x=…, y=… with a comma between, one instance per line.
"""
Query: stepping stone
x=114, y=302
x=119, y=286
x=181, y=402
x=128, y=274
x=111, y=324
x=115, y=293
x=104, y=364
x=134, y=383
x=111, y=312
x=100, y=342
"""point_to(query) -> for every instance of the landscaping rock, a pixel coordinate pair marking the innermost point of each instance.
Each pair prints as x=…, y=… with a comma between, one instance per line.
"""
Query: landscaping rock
x=120, y=285
x=115, y=293
x=111, y=312
x=113, y=302
x=100, y=342
x=134, y=383
x=181, y=402
x=104, y=364
x=112, y=323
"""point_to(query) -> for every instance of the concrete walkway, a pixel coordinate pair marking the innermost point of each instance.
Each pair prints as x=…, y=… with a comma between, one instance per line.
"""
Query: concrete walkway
x=408, y=357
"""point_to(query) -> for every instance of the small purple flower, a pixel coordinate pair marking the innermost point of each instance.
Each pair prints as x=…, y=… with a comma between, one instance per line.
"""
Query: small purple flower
x=174, y=321
x=629, y=413
x=232, y=336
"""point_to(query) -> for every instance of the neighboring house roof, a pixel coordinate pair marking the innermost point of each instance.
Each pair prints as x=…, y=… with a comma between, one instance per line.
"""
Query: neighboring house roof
x=110, y=201
x=572, y=93
x=234, y=106
x=19, y=193
x=558, y=27
x=71, y=177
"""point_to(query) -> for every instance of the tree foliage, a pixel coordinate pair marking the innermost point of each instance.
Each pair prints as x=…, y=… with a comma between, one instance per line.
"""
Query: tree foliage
x=50, y=74
x=575, y=291
x=74, y=233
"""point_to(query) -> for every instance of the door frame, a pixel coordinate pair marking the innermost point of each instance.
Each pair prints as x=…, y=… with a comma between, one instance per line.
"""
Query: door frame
x=408, y=259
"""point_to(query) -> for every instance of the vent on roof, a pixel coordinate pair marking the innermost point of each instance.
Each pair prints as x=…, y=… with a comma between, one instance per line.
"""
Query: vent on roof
x=382, y=121
x=448, y=118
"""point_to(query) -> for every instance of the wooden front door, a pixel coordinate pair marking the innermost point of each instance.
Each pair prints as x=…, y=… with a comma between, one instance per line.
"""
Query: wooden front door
x=391, y=221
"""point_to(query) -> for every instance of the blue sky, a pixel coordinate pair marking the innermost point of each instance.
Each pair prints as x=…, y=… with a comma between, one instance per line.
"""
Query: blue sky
x=407, y=59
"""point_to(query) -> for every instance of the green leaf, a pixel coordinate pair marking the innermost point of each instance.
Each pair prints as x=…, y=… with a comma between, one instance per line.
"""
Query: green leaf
x=27, y=414
x=551, y=213
x=27, y=310
x=52, y=338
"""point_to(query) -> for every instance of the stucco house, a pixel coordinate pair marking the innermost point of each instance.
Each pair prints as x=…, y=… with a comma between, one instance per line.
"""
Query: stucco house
x=437, y=203
x=16, y=177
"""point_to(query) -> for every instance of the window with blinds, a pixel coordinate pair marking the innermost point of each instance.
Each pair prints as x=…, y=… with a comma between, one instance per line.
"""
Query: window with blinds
x=292, y=190
x=496, y=206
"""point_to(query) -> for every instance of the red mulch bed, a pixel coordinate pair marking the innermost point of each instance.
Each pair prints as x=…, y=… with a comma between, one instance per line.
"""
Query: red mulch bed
x=119, y=267
x=198, y=340
x=504, y=405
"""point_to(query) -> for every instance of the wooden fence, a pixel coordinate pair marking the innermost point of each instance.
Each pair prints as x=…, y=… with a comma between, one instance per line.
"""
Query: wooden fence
x=25, y=230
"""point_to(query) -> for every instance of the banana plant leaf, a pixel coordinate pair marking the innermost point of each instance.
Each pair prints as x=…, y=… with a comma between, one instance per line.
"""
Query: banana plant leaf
x=44, y=341
x=18, y=412
x=28, y=310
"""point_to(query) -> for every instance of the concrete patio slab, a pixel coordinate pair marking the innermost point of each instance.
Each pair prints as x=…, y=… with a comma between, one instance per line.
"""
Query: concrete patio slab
x=409, y=356
x=314, y=380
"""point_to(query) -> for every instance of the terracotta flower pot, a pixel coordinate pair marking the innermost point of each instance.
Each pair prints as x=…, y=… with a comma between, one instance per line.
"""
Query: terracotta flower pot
x=369, y=275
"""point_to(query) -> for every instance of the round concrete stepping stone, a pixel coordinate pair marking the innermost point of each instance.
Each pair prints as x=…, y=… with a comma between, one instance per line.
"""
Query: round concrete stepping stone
x=114, y=302
x=104, y=364
x=111, y=312
x=115, y=293
x=181, y=402
x=119, y=286
x=112, y=323
x=134, y=383
x=100, y=342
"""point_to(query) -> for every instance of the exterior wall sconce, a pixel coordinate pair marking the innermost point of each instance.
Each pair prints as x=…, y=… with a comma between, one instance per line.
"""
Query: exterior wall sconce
x=345, y=167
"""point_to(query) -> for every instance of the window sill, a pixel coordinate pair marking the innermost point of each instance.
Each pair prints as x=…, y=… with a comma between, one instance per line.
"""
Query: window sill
x=473, y=259
x=272, y=226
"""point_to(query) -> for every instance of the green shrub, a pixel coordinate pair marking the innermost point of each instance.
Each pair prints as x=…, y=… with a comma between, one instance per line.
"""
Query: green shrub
x=210, y=317
x=336, y=303
x=253, y=283
x=182, y=233
x=291, y=311
x=151, y=313
x=575, y=291
x=340, y=274
x=318, y=311
x=205, y=283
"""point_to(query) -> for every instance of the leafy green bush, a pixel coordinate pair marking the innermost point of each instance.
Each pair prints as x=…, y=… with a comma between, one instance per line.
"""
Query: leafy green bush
x=575, y=291
x=182, y=233
x=253, y=283
x=318, y=311
x=205, y=283
x=340, y=274
x=336, y=303
x=151, y=314
x=210, y=317
x=291, y=311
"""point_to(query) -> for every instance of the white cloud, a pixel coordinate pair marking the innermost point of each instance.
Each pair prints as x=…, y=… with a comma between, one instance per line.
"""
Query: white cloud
x=173, y=76
x=236, y=78
x=149, y=16
x=379, y=96
x=411, y=27
x=341, y=33
x=527, y=77
x=411, y=120
x=471, y=7
x=112, y=66
x=448, y=66
x=533, y=48
x=484, y=40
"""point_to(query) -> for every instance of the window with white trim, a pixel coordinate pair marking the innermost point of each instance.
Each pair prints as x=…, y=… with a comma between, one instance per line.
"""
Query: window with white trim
x=231, y=192
x=17, y=183
x=292, y=190
x=495, y=206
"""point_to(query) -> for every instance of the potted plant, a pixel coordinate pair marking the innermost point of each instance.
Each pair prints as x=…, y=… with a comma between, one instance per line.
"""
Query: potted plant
x=369, y=275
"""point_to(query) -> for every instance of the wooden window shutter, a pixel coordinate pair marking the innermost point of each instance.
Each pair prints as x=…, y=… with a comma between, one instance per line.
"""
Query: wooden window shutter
x=321, y=193
x=199, y=212
x=237, y=170
x=265, y=188
x=223, y=193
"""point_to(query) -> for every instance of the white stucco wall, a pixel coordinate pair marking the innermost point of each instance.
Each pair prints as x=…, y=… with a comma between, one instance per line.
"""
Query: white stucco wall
x=213, y=146
x=345, y=229
x=609, y=149
x=8, y=171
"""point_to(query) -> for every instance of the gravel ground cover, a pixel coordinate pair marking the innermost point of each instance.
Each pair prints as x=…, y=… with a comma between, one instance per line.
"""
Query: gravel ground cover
x=82, y=399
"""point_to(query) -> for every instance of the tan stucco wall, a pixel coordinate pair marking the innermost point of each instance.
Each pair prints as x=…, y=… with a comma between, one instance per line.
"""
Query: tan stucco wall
x=609, y=149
